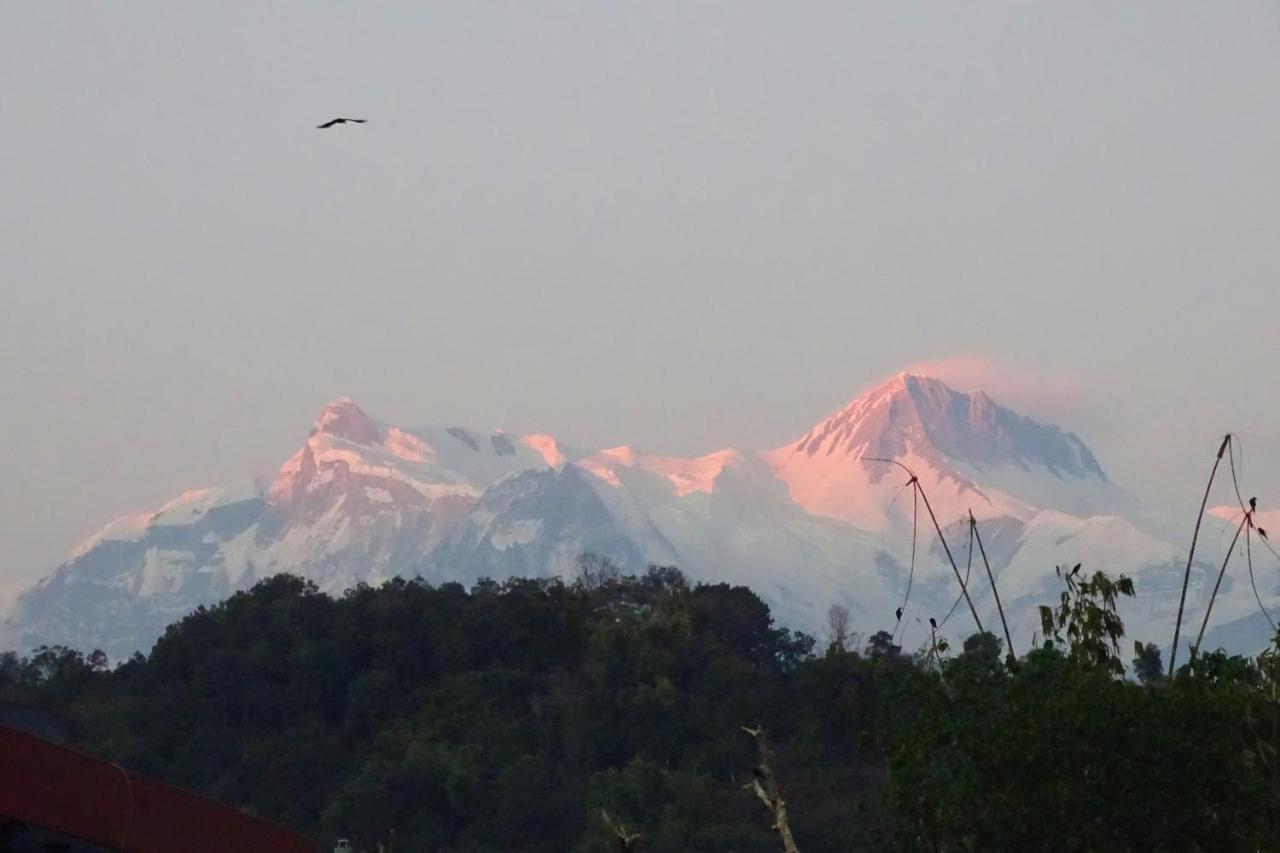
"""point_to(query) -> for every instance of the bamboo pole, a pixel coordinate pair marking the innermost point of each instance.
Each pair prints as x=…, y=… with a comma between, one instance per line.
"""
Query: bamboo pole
x=973, y=524
x=1186, y=577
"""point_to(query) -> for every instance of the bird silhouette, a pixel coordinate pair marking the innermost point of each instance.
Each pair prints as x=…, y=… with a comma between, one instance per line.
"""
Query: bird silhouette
x=331, y=122
x=1253, y=503
x=933, y=623
x=898, y=613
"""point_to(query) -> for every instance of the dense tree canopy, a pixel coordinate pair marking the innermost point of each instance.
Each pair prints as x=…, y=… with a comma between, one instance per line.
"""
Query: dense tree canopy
x=537, y=715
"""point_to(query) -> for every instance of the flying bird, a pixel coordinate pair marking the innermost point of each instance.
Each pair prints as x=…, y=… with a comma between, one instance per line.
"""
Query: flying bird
x=331, y=122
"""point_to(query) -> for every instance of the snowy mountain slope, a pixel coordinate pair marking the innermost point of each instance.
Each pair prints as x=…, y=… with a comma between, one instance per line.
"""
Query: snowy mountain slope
x=726, y=517
x=359, y=501
x=10, y=593
x=1156, y=566
x=118, y=590
x=969, y=452
x=723, y=517
x=1238, y=623
x=1023, y=557
x=806, y=525
x=533, y=524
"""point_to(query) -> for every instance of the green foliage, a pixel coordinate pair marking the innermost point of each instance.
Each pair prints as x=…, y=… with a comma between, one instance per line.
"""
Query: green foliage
x=1147, y=666
x=881, y=645
x=1085, y=621
x=514, y=716
x=499, y=719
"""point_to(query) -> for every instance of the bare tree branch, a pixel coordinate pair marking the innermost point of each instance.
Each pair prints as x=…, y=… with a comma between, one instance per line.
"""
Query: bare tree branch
x=838, y=626
x=765, y=785
x=626, y=840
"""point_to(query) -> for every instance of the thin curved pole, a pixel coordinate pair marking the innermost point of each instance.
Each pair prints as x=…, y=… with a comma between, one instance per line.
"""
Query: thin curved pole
x=1248, y=547
x=973, y=525
x=968, y=572
x=915, y=481
x=1186, y=577
x=1248, y=553
x=1247, y=520
x=911, y=575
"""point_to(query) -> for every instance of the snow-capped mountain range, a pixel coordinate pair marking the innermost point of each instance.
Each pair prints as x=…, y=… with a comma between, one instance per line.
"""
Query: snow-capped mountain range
x=813, y=523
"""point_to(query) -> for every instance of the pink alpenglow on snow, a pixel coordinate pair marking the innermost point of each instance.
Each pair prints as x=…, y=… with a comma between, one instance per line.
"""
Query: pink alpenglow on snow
x=969, y=452
x=806, y=524
x=685, y=475
x=547, y=447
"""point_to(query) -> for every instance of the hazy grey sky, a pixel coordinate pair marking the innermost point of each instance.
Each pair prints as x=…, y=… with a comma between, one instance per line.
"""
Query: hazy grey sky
x=680, y=226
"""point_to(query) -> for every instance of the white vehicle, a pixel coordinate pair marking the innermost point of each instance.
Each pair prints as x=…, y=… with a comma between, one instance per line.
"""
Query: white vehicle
x=343, y=846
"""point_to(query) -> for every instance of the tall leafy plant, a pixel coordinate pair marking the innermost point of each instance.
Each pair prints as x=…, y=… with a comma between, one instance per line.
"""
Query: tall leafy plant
x=1085, y=623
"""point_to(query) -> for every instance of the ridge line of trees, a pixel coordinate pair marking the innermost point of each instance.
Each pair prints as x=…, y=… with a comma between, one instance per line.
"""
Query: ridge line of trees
x=543, y=715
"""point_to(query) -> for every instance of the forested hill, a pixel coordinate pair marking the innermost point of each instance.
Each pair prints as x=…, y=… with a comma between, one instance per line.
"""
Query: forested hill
x=544, y=716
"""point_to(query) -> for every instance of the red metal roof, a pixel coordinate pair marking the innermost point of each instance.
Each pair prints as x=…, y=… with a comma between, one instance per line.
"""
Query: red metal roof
x=60, y=789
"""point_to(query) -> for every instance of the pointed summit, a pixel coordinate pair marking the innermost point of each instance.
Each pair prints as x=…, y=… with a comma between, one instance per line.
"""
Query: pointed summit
x=911, y=413
x=954, y=441
x=342, y=418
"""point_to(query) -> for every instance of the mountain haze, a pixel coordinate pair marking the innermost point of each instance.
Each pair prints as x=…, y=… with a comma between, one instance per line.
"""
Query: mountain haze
x=809, y=524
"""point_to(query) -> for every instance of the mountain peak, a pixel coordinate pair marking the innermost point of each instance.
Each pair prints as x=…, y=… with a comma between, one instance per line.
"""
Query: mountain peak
x=952, y=439
x=915, y=413
x=924, y=388
x=342, y=418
